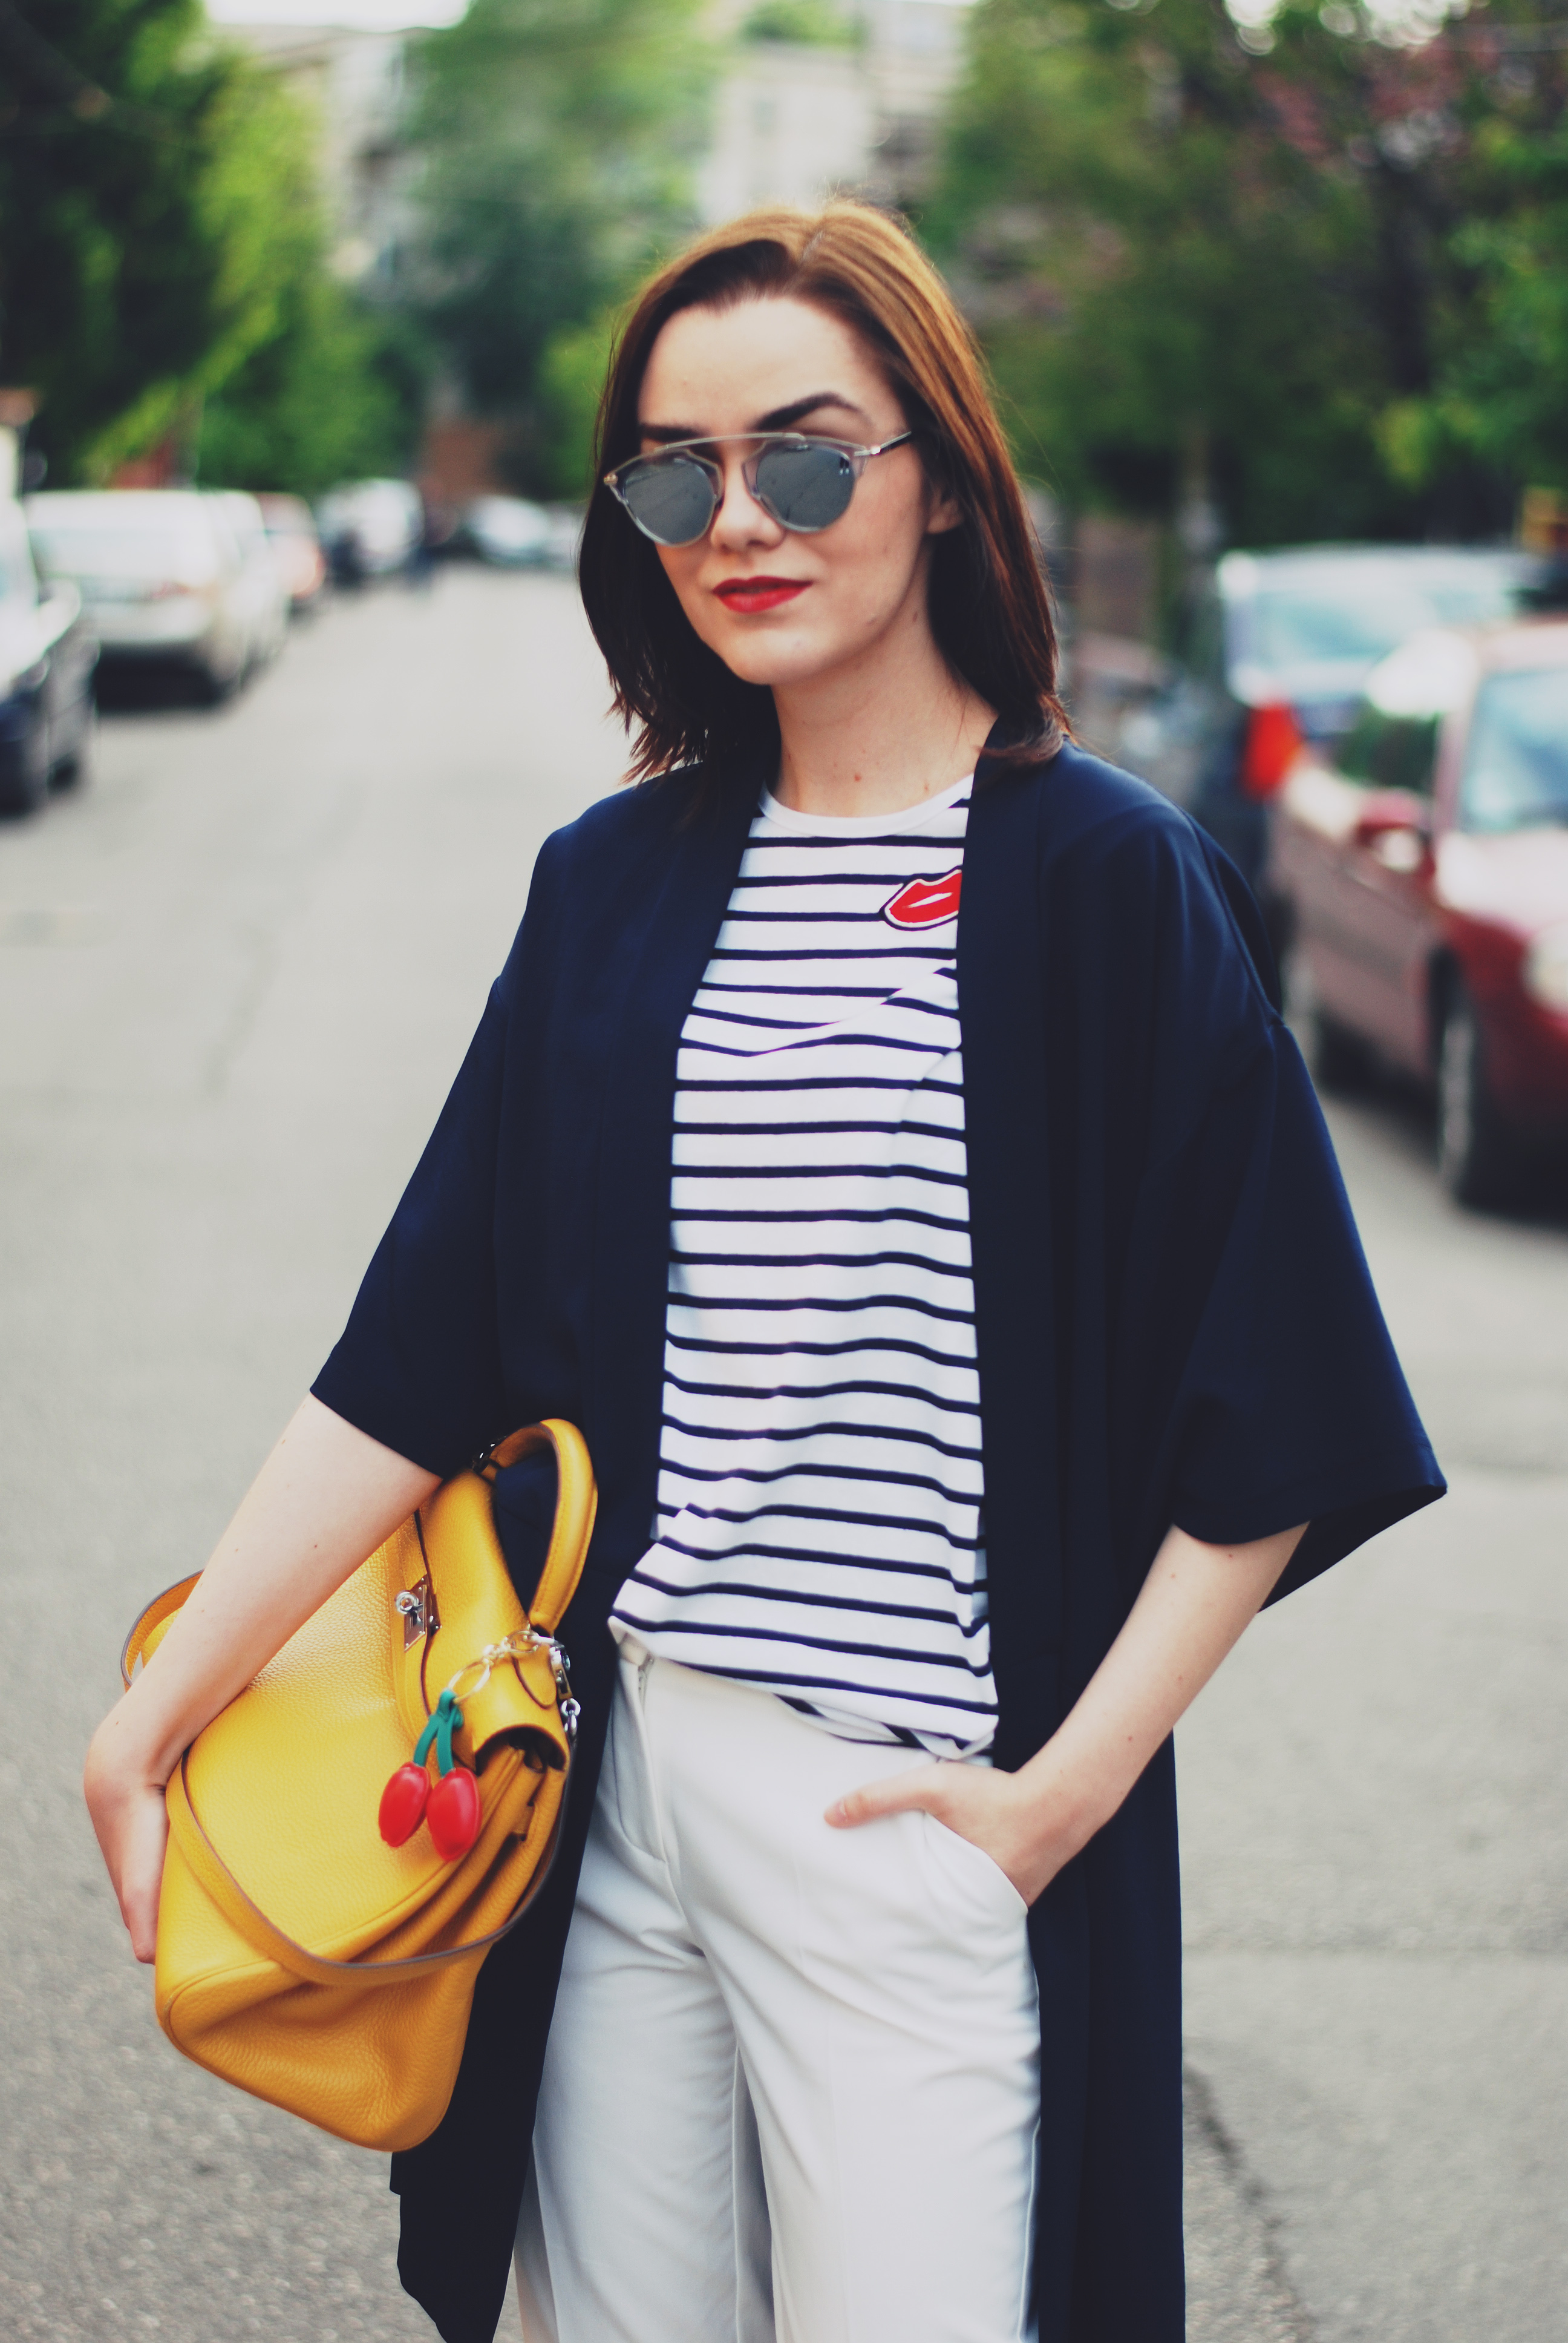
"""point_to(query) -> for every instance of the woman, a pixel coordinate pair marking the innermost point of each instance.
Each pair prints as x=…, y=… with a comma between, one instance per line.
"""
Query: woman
x=969, y=1332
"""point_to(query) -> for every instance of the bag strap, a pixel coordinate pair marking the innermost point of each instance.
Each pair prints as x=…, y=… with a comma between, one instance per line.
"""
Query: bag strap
x=576, y=1504
x=265, y=1936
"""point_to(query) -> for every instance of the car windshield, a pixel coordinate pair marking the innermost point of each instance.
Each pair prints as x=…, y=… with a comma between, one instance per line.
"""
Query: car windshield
x=1363, y=614
x=1516, y=765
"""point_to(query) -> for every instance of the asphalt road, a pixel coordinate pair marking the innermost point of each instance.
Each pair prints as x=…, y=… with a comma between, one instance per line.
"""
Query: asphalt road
x=236, y=974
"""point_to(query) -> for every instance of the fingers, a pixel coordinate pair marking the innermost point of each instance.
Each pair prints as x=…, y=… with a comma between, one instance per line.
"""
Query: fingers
x=140, y=1915
x=135, y=1837
x=897, y=1795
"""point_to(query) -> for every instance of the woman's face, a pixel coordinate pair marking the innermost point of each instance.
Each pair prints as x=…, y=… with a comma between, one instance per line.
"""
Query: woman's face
x=781, y=609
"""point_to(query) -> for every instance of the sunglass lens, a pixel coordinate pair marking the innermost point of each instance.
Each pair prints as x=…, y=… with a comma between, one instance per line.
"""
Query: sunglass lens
x=805, y=487
x=671, y=498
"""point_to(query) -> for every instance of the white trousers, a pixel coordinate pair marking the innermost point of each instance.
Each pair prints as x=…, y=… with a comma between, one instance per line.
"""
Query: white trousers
x=791, y=2093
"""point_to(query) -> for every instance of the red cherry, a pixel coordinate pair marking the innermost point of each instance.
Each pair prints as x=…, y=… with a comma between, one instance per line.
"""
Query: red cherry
x=453, y=1814
x=403, y=1803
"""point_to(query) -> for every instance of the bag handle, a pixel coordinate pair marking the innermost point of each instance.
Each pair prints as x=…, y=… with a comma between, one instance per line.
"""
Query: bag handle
x=576, y=1506
x=265, y=1936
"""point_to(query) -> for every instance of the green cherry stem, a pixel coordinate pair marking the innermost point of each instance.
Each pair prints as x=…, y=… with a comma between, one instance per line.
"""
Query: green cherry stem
x=445, y=1720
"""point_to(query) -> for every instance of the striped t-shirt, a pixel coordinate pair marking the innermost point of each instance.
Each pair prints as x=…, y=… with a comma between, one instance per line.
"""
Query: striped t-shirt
x=818, y=1531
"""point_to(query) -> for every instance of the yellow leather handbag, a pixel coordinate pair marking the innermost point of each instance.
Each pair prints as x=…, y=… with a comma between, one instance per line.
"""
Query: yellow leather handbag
x=324, y=1917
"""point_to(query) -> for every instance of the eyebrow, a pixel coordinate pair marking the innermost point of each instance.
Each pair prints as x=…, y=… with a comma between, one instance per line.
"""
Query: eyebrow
x=777, y=418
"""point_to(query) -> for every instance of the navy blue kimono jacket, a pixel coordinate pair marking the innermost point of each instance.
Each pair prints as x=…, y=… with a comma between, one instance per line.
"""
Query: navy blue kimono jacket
x=1175, y=1324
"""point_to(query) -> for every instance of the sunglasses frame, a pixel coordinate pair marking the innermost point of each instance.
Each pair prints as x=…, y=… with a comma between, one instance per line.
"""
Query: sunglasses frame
x=858, y=459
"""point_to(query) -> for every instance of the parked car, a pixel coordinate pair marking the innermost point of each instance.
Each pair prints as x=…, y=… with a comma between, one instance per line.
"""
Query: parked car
x=516, y=534
x=49, y=652
x=1422, y=872
x=1277, y=652
x=263, y=596
x=295, y=544
x=566, y=535
x=160, y=574
x=508, y=530
x=369, y=528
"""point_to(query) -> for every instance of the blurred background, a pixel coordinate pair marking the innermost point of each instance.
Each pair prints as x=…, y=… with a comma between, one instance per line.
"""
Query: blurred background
x=303, y=312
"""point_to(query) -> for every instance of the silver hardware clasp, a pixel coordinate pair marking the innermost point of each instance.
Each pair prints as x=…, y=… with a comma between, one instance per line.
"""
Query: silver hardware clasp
x=416, y=1606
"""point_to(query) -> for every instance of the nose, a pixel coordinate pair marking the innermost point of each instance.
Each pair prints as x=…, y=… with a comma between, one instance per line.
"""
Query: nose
x=740, y=520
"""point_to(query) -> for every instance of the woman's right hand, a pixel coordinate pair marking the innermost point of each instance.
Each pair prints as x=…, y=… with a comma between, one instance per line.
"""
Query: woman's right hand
x=131, y=1819
x=326, y=1497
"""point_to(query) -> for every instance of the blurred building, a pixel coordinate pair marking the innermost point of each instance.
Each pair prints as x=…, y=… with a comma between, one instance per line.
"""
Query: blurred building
x=352, y=78
x=855, y=105
x=856, y=108
x=818, y=98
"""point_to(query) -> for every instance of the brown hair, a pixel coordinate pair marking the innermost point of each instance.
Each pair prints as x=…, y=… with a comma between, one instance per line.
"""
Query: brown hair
x=990, y=612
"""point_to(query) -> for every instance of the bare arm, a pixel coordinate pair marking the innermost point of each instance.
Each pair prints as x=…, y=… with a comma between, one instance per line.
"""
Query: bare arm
x=326, y=1498
x=1192, y=1606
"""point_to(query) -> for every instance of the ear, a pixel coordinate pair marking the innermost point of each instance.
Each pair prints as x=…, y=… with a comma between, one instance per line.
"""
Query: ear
x=943, y=511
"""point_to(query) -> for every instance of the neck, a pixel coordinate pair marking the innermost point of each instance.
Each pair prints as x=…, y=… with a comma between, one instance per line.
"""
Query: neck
x=880, y=734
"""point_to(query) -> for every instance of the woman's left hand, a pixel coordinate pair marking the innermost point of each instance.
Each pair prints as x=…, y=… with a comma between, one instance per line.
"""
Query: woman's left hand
x=1191, y=1607
x=994, y=1811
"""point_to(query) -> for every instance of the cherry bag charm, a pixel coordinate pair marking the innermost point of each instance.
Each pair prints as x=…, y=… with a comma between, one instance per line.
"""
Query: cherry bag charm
x=452, y=1808
x=453, y=1814
x=403, y=1803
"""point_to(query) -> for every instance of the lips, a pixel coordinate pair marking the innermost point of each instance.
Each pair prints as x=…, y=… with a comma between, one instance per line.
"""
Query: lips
x=746, y=595
x=925, y=902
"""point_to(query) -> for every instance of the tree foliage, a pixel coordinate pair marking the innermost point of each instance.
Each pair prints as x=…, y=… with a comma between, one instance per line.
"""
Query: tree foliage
x=1499, y=393
x=557, y=138
x=1299, y=266
x=164, y=250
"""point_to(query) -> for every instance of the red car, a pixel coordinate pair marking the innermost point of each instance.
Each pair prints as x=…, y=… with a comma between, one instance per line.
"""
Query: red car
x=1421, y=879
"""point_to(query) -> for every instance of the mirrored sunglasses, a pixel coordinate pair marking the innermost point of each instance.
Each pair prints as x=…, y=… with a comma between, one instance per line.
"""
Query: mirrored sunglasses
x=805, y=483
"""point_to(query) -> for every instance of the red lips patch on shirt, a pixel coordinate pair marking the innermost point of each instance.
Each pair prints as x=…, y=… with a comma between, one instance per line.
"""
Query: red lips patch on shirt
x=925, y=902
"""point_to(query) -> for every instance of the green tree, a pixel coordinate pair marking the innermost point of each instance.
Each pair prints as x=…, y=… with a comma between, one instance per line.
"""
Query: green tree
x=326, y=392
x=327, y=397
x=115, y=281
x=1245, y=259
x=1499, y=394
x=163, y=252
x=557, y=138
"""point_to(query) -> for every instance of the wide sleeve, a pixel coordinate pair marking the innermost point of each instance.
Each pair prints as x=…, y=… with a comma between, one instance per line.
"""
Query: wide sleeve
x=1257, y=1369
x=419, y=1366
x=1291, y=1405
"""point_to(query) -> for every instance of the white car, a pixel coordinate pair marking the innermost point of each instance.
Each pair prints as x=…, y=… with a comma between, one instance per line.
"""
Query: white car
x=369, y=527
x=508, y=530
x=160, y=574
x=518, y=534
x=263, y=590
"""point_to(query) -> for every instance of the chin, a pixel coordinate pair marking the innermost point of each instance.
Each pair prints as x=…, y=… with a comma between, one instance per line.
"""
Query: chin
x=756, y=659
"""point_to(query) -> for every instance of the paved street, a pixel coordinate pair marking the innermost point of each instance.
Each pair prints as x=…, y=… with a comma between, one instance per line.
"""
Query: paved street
x=236, y=975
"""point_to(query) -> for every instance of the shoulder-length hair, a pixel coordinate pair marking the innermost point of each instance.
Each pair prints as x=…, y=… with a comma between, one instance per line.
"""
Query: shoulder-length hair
x=990, y=611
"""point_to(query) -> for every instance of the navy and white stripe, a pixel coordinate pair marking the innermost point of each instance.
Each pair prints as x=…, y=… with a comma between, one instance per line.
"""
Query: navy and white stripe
x=819, y=1529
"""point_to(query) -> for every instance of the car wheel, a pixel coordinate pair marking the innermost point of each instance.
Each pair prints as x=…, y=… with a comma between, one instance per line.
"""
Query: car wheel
x=1476, y=1162
x=75, y=770
x=28, y=783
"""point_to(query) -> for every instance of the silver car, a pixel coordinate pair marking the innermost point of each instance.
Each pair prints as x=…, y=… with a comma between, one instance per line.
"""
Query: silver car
x=263, y=590
x=160, y=572
x=1277, y=650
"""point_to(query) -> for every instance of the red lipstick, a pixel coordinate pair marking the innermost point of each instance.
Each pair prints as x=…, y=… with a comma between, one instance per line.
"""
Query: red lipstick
x=750, y=594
